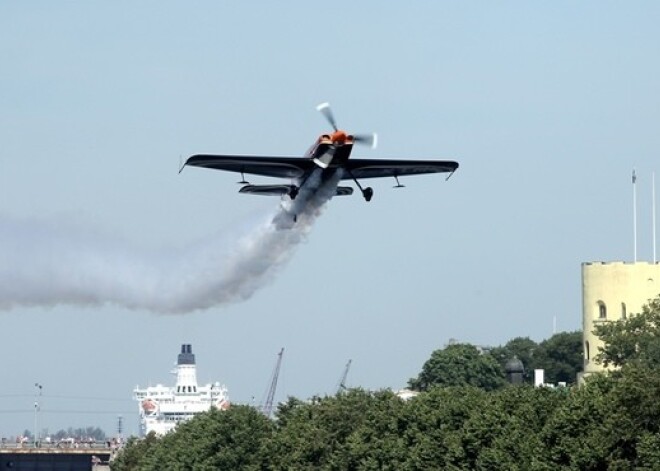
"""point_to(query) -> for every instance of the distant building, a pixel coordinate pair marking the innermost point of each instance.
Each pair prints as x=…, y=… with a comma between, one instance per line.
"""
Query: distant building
x=161, y=407
x=613, y=291
x=514, y=370
x=406, y=394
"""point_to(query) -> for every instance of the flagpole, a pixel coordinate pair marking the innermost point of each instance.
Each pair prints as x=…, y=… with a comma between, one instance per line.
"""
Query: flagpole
x=653, y=210
x=634, y=183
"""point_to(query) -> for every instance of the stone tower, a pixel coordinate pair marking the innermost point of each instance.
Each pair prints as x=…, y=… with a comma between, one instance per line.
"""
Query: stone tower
x=612, y=291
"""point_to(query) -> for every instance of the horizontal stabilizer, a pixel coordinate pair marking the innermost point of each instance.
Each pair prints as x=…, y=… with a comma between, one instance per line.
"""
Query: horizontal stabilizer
x=344, y=191
x=268, y=190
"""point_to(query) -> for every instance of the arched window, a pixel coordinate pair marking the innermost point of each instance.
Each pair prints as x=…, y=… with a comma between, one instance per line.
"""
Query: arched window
x=586, y=350
x=623, y=311
x=602, y=310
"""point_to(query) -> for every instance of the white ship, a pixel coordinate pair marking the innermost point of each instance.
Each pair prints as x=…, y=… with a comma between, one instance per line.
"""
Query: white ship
x=163, y=407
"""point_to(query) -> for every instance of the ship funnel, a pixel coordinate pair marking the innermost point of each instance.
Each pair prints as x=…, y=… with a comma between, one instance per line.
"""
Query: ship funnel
x=186, y=357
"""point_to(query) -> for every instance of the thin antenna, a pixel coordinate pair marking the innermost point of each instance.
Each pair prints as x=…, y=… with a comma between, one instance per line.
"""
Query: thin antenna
x=554, y=325
x=653, y=210
x=634, y=183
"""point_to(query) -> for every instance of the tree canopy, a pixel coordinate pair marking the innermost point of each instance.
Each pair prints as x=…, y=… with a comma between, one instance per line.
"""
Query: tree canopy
x=560, y=356
x=459, y=364
x=456, y=422
x=522, y=348
x=612, y=422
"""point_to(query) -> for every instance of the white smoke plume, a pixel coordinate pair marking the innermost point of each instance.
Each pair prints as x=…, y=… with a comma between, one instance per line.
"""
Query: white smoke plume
x=46, y=264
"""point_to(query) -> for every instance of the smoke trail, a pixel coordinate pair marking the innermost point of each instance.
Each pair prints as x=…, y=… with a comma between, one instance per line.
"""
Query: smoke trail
x=45, y=264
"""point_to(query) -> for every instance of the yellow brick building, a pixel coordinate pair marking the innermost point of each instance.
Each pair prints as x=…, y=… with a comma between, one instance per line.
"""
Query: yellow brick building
x=611, y=291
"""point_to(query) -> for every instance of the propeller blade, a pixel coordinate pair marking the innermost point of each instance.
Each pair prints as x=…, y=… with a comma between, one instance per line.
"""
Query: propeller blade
x=325, y=110
x=367, y=139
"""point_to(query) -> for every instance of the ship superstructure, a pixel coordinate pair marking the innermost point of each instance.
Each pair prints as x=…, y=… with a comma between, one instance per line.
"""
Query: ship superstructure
x=161, y=407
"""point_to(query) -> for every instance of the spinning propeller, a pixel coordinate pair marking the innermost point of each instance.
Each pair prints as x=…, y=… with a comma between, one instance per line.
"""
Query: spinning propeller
x=366, y=139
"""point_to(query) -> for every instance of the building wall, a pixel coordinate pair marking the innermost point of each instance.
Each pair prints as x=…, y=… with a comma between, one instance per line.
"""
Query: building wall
x=611, y=291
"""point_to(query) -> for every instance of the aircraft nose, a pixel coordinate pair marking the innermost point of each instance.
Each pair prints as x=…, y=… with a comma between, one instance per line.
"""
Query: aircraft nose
x=339, y=137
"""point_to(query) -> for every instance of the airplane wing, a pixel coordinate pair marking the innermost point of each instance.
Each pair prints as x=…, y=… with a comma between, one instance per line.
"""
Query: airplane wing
x=270, y=166
x=375, y=168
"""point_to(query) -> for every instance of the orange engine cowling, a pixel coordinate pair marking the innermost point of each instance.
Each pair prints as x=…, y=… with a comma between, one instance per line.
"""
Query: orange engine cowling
x=339, y=137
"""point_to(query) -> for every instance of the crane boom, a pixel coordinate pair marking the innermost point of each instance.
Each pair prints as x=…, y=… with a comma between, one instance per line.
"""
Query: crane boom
x=342, y=380
x=267, y=408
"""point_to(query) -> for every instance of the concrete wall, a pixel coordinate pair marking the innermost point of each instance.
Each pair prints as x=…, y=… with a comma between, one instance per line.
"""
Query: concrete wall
x=611, y=291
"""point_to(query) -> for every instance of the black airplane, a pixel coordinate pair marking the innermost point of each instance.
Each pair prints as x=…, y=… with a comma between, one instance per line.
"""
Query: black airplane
x=328, y=155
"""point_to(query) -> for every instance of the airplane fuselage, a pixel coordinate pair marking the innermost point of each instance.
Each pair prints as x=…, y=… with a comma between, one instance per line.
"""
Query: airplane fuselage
x=329, y=153
x=331, y=150
x=339, y=154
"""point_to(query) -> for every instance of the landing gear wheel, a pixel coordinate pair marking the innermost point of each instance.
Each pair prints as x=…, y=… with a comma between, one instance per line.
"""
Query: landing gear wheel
x=368, y=193
x=293, y=193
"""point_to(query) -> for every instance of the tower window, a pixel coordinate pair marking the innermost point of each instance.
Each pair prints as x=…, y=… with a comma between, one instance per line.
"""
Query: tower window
x=586, y=350
x=602, y=310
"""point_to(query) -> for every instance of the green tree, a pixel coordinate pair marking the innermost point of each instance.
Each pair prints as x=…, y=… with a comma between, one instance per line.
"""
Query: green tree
x=503, y=432
x=380, y=442
x=459, y=365
x=314, y=434
x=648, y=451
x=634, y=339
x=561, y=357
x=612, y=422
x=215, y=440
x=134, y=452
x=571, y=438
x=521, y=347
x=437, y=418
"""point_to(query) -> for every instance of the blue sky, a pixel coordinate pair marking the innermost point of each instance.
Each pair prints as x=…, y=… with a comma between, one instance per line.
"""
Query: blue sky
x=547, y=107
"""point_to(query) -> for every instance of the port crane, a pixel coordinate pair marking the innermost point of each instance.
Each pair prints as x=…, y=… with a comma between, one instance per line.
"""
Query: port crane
x=341, y=385
x=267, y=407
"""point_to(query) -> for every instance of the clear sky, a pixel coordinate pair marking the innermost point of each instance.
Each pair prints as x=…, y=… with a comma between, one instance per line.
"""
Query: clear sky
x=546, y=105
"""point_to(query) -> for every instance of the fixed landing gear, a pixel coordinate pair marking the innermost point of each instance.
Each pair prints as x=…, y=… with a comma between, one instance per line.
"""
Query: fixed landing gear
x=368, y=193
x=293, y=192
